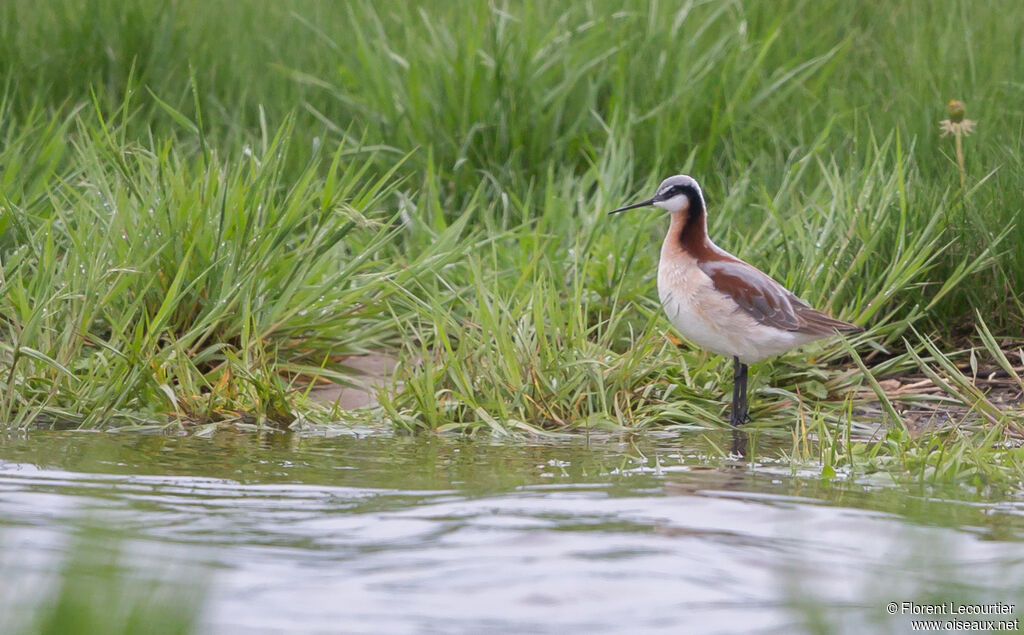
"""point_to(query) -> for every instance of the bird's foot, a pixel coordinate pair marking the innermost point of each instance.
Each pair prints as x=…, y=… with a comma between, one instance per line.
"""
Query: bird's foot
x=739, y=418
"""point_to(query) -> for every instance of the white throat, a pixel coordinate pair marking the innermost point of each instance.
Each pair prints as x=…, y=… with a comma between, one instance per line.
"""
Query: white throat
x=674, y=204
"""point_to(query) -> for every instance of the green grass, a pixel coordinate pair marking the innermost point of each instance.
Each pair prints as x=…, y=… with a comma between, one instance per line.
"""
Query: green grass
x=102, y=586
x=203, y=204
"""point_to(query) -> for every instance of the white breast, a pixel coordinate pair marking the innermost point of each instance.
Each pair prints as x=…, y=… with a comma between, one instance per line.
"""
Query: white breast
x=710, y=319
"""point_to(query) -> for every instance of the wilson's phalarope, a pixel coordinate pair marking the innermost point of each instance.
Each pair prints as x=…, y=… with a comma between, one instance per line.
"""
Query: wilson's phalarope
x=721, y=303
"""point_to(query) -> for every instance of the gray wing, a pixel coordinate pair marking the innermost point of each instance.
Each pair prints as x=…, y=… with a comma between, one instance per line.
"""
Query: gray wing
x=767, y=301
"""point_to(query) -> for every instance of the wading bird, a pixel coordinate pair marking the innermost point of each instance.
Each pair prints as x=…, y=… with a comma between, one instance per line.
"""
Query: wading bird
x=721, y=303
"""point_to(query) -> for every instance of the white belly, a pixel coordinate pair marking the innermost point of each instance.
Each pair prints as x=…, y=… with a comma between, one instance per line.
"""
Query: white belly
x=710, y=319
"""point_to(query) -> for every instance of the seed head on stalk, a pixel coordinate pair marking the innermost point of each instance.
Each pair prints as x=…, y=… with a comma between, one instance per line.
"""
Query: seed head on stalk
x=959, y=127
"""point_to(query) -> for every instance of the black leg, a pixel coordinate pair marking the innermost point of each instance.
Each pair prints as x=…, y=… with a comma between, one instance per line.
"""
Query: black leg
x=744, y=413
x=734, y=415
x=739, y=414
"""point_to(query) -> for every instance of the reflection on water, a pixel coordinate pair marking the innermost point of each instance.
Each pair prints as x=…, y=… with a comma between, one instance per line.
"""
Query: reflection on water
x=740, y=441
x=384, y=534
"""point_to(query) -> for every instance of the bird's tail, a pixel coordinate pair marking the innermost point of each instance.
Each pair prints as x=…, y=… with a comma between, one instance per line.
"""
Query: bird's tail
x=817, y=322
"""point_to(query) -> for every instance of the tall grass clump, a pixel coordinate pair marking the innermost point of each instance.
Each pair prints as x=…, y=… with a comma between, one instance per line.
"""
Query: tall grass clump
x=143, y=282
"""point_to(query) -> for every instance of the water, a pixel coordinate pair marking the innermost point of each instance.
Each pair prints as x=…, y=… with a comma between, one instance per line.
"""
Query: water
x=281, y=533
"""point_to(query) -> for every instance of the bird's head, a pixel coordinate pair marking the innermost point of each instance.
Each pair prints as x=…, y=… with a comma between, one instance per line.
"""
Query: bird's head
x=675, y=194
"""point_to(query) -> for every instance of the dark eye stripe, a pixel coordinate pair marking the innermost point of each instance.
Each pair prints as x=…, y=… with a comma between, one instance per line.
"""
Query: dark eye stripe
x=677, y=190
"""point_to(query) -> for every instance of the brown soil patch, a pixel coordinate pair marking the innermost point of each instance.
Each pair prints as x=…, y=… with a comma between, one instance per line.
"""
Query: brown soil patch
x=374, y=372
x=916, y=398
